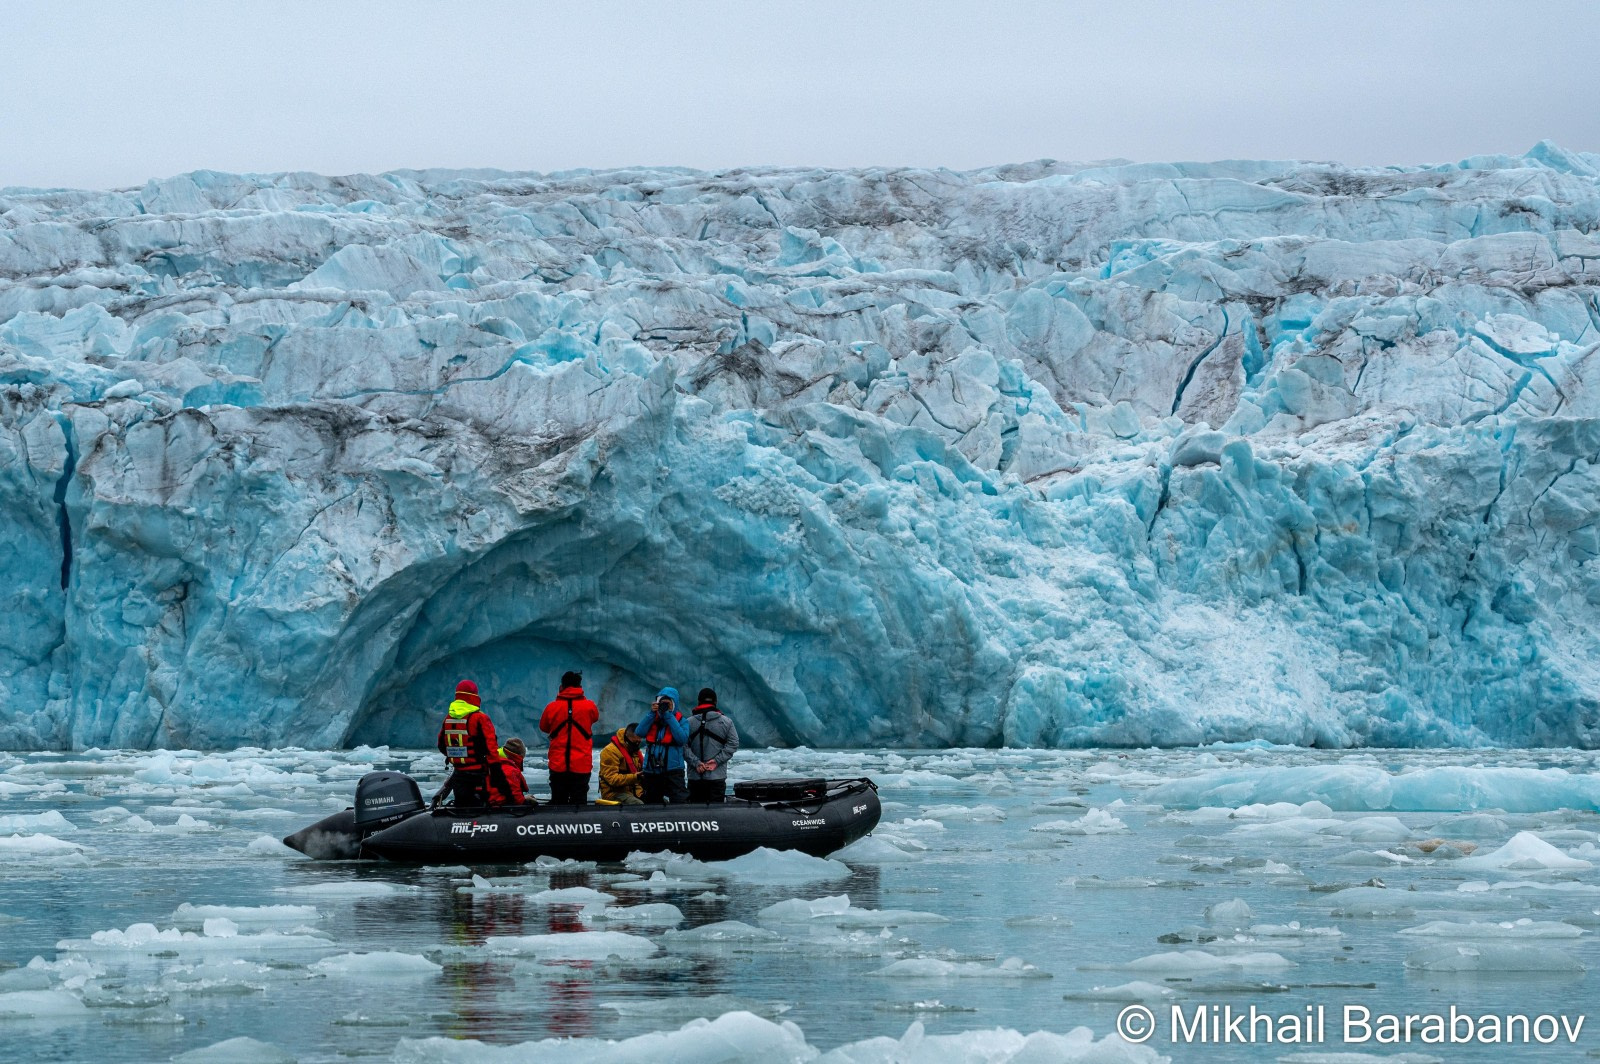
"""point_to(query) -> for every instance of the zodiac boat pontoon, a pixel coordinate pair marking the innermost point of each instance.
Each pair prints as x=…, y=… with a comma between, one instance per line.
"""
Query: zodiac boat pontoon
x=391, y=821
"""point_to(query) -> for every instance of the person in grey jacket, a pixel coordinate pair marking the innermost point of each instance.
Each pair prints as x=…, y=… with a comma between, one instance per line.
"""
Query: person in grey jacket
x=713, y=740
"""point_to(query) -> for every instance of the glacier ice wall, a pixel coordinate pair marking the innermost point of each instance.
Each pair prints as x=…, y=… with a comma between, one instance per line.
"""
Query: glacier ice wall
x=1046, y=454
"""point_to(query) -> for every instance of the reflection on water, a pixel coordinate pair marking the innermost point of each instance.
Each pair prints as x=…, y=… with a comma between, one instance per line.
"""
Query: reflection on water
x=1061, y=859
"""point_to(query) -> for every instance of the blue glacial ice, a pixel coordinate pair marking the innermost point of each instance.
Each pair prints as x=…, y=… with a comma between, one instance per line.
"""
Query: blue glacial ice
x=1045, y=454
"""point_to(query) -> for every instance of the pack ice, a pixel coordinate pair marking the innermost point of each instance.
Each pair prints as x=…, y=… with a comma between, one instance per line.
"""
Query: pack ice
x=1042, y=454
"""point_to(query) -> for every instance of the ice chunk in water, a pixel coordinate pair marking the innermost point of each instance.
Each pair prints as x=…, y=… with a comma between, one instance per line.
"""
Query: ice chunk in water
x=572, y=945
x=22, y=846
x=35, y=823
x=723, y=931
x=19, y=1004
x=1493, y=957
x=875, y=849
x=1196, y=961
x=1525, y=852
x=1234, y=915
x=765, y=865
x=837, y=911
x=351, y=890
x=236, y=1051
x=270, y=846
x=1523, y=928
x=981, y=814
x=1134, y=991
x=731, y=1037
x=382, y=965
x=658, y=914
x=659, y=883
x=245, y=914
x=933, y=968
x=1094, y=822
x=572, y=896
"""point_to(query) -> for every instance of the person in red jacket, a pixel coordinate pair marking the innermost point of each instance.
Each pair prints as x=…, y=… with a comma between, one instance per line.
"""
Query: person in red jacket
x=515, y=791
x=569, y=722
x=468, y=743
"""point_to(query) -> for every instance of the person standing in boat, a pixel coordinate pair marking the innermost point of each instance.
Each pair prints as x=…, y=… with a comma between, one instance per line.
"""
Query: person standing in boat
x=664, y=733
x=468, y=743
x=569, y=722
x=712, y=742
x=620, y=766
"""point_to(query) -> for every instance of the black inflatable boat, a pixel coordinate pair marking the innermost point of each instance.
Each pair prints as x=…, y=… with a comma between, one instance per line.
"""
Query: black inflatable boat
x=390, y=821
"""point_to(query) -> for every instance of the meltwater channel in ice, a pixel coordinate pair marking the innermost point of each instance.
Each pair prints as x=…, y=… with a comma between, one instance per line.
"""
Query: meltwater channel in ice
x=1011, y=904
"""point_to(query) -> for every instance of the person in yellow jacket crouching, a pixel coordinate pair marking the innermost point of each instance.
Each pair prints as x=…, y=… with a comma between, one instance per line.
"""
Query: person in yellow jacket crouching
x=620, y=765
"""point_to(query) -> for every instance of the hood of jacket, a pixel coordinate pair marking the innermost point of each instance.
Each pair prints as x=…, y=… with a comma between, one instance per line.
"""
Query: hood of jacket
x=459, y=709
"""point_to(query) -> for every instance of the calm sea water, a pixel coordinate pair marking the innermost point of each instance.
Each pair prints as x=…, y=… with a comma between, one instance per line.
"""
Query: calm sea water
x=1094, y=869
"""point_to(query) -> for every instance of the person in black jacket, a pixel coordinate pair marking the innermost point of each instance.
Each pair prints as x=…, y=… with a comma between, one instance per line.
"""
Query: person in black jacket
x=713, y=740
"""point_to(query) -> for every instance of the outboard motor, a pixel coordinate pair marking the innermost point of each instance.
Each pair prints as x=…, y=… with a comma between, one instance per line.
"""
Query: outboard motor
x=384, y=798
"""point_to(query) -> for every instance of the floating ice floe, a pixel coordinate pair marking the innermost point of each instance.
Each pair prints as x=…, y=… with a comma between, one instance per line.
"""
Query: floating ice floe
x=723, y=932
x=1233, y=914
x=41, y=1004
x=837, y=911
x=678, y=1009
x=1134, y=991
x=572, y=896
x=514, y=885
x=1094, y=822
x=878, y=849
x=660, y=883
x=237, y=1051
x=1195, y=961
x=1520, y=928
x=1493, y=957
x=20, y=846
x=271, y=846
x=1526, y=852
x=36, y=823
x=572, y=945
x=378, y=965
x=766, y=865
x=219, y=936
x=980, y=814
x=934, y=968
x=656, y=914
x=348, y=890
x=1369, y=788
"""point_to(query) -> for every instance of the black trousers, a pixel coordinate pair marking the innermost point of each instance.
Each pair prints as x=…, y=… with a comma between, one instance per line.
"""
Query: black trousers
x=467, y=788
x=662, y=787
x=569, y=788
x=708, y=790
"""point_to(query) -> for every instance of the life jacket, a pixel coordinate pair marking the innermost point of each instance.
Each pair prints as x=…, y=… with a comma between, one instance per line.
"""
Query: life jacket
x=464, y=738
x=568, y=722
x=511, y=788
x=632, y=761
x=658, y=743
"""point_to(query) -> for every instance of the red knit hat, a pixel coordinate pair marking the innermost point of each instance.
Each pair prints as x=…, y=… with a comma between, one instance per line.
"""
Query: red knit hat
x=467, y=691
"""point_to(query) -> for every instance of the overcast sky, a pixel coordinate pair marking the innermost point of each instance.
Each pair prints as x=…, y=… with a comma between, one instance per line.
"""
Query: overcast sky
x=110, y=94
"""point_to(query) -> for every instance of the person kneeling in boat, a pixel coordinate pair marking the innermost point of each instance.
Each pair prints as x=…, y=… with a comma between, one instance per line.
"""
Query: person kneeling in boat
x=468, y=743
x=620, y=767
x=664, y=734
x=713, y=740
x=515, y=791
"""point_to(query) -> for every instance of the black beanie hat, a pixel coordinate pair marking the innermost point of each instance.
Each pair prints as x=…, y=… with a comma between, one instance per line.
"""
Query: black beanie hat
x=708, y=696
x=572, y=679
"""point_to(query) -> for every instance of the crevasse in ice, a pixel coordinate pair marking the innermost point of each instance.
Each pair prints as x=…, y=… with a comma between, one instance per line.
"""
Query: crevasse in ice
x=1046, y=454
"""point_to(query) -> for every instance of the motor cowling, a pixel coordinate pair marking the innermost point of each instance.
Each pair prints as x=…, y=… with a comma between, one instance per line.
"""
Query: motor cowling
x=385, y=796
